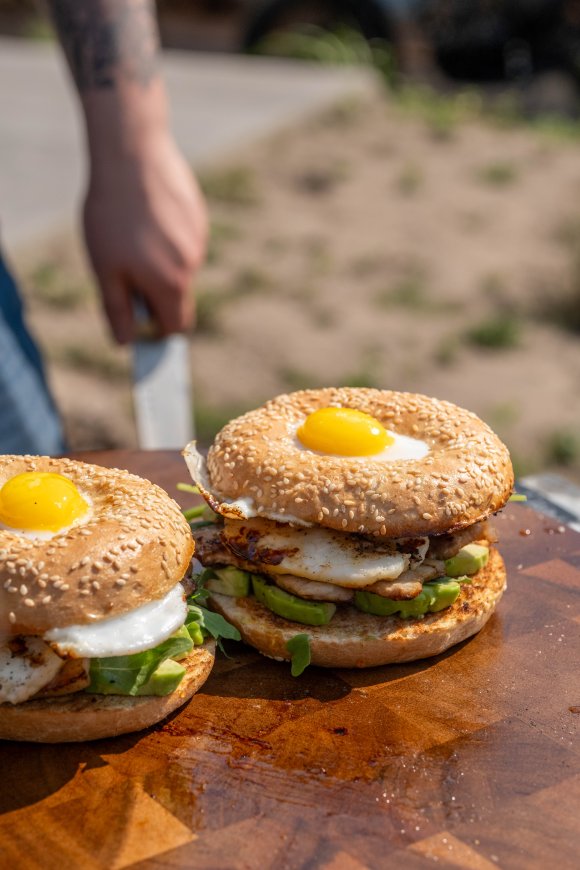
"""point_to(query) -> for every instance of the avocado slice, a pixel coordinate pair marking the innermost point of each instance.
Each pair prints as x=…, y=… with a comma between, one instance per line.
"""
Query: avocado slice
x=229, y=581
x=195, y=632
x=368, y=602
x=290, y=606
x=186, y=634
x=444, y=592
x=164, y=680
x=468, y=560
x=435, y=596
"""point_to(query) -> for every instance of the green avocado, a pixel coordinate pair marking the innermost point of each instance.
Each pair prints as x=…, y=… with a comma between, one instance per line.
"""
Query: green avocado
x=229, y=581
x=467, y=561
x=435, y=596
x=164, y=680
x=445, y=592
x=186, y=635
x=290, y=606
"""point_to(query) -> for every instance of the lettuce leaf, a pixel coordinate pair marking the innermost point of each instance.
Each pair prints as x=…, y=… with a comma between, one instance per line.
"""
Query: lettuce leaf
x=124, y=675
x=299, y=648
x=210, y=624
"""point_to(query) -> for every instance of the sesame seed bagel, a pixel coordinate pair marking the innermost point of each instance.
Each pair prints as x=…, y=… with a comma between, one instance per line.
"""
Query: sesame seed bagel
x=359, y=640
x=82, y=716
x=465, y=476
x=132, y=547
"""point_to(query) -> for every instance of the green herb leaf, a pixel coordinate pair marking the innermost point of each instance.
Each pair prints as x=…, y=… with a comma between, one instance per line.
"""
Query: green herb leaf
x=210, y=623
x=516, y=496
x=188, y=487
x=299, y=648
x=194, y=512
x=124, y=675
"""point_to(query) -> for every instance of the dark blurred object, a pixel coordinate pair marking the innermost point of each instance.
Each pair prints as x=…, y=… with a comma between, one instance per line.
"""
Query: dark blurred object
x=493, y=40
x=533, y=44
x=372, y=18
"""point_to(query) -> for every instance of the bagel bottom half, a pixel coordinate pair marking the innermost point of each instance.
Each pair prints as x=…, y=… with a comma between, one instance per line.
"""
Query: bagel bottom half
x=81, y=716
x=354, y=639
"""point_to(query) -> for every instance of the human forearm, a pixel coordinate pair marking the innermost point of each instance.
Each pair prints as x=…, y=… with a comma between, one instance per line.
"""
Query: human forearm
x=112, y=48
x=144, y=217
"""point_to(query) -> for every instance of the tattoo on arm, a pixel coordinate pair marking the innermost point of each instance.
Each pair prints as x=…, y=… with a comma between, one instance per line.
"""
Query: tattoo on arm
x=108, y=40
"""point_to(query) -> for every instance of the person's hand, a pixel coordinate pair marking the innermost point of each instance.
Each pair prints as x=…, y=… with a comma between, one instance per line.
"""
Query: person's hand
x=146, y=232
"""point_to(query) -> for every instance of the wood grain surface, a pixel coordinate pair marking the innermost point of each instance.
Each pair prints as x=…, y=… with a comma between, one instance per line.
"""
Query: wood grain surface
x=468, y=760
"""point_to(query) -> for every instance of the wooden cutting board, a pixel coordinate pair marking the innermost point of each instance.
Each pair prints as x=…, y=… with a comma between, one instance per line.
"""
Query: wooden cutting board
x=468, y=760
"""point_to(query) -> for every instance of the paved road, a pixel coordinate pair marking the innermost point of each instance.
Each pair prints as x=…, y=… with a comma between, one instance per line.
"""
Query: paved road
x=218, y=103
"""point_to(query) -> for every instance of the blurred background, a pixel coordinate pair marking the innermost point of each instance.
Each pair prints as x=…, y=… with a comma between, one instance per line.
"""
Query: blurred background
x=394, y=189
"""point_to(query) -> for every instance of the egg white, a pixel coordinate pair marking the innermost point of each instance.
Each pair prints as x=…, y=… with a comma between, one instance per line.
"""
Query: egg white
x=320, y=554
x=133, y=632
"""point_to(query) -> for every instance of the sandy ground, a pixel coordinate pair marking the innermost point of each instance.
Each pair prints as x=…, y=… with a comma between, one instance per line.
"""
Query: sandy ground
x=369, y=246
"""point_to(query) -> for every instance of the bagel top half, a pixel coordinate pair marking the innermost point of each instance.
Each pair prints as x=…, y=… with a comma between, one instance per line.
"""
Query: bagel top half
x=131, y=547
x=258, y=467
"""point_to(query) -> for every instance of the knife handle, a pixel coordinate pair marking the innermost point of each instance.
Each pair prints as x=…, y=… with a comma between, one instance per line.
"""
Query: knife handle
x=146, y=328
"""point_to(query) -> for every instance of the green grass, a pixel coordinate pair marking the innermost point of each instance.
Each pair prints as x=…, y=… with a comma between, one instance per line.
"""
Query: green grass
x=410, y=292
x=102, y=362
x=503, y=415
x=498, y=332
x=344, y=114
x=319, y=256
x=221, y=234
x=361, y=378
x=366, y=265
x=54, y=287
x=297, y=379
x=447, y=351
x=498, y=174
x=249, y=280
x=494, y=287
x=410, y=180
x=443, y=114
x=560, y=306
x=233, y=185
x=210, y=301
x=324, y=179
x=344, y=46
x=563, y=447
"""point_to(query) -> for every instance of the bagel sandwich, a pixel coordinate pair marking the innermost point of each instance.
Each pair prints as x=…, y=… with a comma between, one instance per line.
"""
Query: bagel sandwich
x=96, y=635
x=349, y=527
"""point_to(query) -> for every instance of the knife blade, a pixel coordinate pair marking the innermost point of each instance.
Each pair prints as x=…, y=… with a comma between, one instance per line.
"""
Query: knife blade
x=162, y=388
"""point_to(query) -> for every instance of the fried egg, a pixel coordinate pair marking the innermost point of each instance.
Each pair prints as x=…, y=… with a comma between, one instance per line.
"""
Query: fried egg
x=240, y=508
x=41, y=504
x=316, y=553
x=140, y=629
x=346, y=432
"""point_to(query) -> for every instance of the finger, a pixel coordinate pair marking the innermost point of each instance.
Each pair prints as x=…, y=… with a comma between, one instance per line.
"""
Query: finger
x=118, y=306
x=170, y=304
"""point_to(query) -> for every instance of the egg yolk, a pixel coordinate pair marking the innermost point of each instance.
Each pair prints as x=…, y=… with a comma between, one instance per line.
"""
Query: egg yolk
x=345, y=432
x=40, y=501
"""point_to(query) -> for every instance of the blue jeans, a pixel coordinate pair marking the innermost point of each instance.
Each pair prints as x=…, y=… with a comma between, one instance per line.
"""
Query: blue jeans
x=29, y=421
